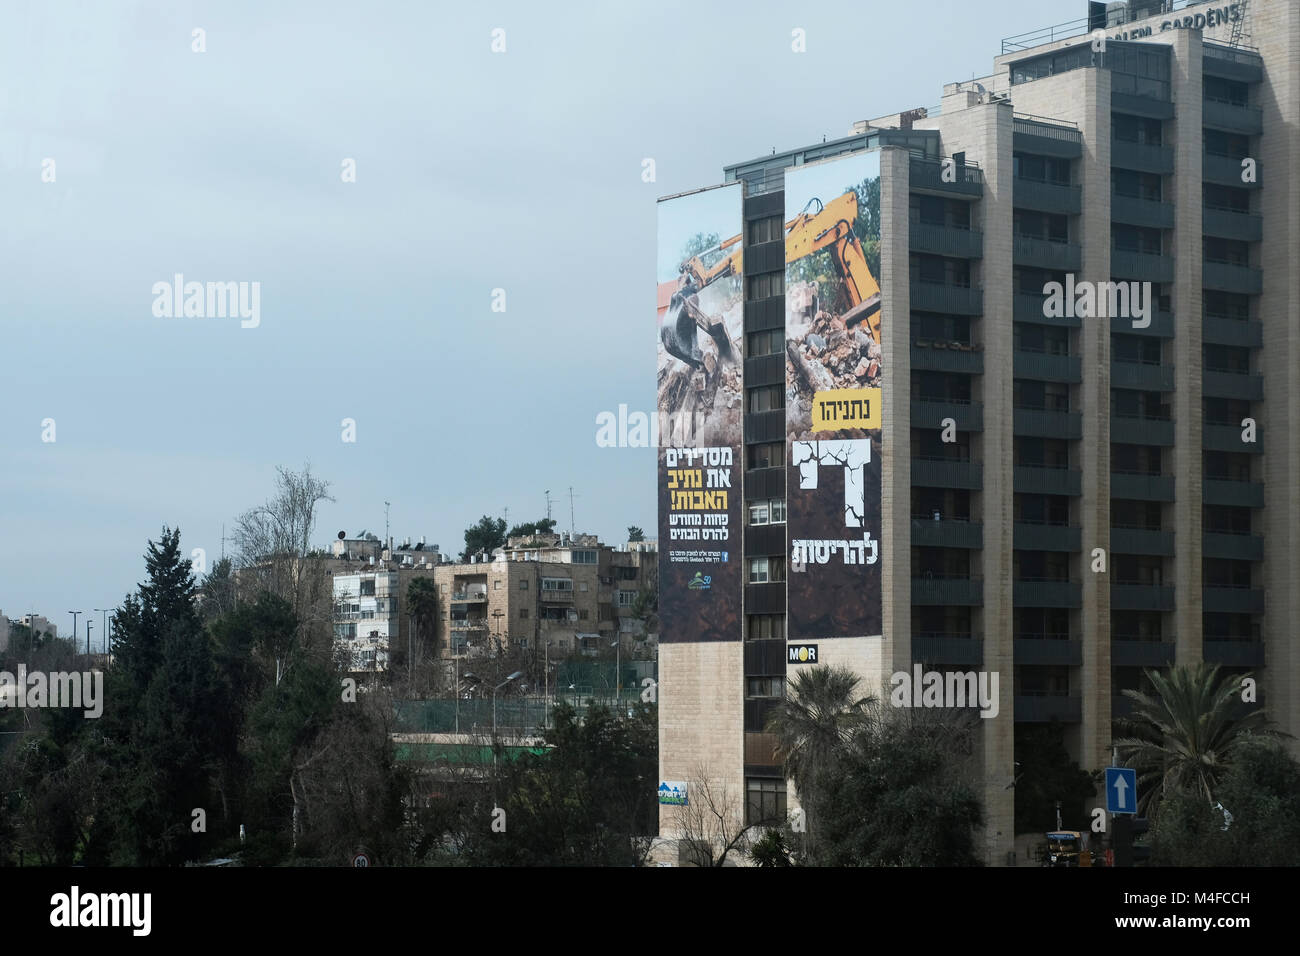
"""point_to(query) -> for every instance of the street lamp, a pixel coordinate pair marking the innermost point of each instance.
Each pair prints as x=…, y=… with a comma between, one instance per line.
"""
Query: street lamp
x=546, y=685
x=515, y=676
x=89, y=621
x=74, y=628
x=618, y=677
x=104, y=629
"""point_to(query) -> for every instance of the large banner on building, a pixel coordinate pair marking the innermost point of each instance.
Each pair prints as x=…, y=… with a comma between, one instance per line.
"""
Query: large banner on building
x=834, y=372
x=700, y=328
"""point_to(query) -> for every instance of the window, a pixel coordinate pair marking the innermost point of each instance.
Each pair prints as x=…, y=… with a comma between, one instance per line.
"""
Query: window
x=557, y=584
x=766, y=455
x=368, y=588
x=765, y=230
x=626, y=598
x=764, y=686
x=496, y=584
x=523, y=614
x=766, y=398
x=583, y=614
x=765, y=286
x=769, y=511
x=765, y=343
x=523, y=584
x=582, y=585
x=766, y=570
x=758, y=513
x=765, y=800
x=765, y=627
x=584, y=557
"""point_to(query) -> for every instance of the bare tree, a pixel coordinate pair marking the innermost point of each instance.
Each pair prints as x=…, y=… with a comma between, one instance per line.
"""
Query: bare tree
x=712, y=825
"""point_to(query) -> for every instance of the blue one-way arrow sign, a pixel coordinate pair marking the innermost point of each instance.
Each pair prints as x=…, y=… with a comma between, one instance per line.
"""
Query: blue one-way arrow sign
x=1121, y=790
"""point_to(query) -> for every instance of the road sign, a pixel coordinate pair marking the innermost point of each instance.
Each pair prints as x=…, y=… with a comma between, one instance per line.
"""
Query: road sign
x=1121, y=790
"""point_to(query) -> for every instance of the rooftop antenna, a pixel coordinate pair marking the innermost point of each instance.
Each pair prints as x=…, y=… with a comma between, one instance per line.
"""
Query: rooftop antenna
x=387, y=543
x=223, y=541
x=571, y=528
x=548, y=504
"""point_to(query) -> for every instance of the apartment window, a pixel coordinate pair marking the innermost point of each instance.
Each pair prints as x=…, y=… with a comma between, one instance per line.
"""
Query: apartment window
x=625, y=573
x=769, y=511
x=557, y=584
x=583, y=614
x=1232, y=145
x=765, y=230
x=766, y=398
x=496, y=584
x=1131, y=184
x=765, y=286
x=764, y=686
x=1041, y=169
x=584, y=557
x=765, y=343
x=523, y=614
x=765, y=455
x=766, y=570
x=625, y=598
x=367, y=588
x=765, y=800
x=1226, y=91
x=523, y=584
x=765, y=627
x=1137, y=129
x=582, y=585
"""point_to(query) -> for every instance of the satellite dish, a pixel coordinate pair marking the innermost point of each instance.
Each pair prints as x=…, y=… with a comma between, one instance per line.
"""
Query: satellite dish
x=342, y=535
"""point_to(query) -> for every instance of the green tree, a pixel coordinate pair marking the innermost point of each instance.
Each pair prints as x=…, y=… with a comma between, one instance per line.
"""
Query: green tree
x=634, y=533
x=530, y=528
x=1183, y=737
x=486, y=536
x=422, y=602
x=1044, y=775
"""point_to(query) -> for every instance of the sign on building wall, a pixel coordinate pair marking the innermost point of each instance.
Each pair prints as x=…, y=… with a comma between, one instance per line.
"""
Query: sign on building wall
x=834, y=373
x=672, y=793
x=701, y=402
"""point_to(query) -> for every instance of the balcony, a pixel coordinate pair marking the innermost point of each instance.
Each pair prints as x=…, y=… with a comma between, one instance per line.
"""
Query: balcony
x=1140, y=487
x=1141, y=541
x=1042, y=708
x=1029, y=308
x=1239, y=332
x=1229, y=224
x=1232, y=600
x=1048, y=650
x=1046, y=423
x=1152, y=107
x=1046, y=254
x=1239, y=494
x=1033, y=480
x=1044, y=592
x=927, y=176
x=555, y=596
x=1162, y=325
x=930, y=413
x=1226, y=171
x=1243, y=385
x=1230, y=277
x=1215, y=437
x=952, y=299
x=1027, y=536
x=1056, y=198
x=1141, y=212
x=467, y=625
x=944, y=357
x=947, y=473
x=1029, y=135
x=1238, y=547
x=1128, y=653
x=1232, y=63
x=1141, y=431
x=944, y=240
x=1142, y=266
x=1233, y=653
x=1141, y=597
x=1142, y=157
x=469, y=597
x=936, y=591
x=765, y=369
x=1047, y=367
x=947, y=533
x=959, y=650
x=1233, y=117
x=1145, y=377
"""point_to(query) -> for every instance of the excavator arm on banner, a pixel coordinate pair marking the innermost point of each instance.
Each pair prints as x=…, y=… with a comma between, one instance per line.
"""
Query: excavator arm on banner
x=831, y=226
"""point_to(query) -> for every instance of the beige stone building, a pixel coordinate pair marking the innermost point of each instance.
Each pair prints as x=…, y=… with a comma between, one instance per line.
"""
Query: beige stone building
x=1155, y=144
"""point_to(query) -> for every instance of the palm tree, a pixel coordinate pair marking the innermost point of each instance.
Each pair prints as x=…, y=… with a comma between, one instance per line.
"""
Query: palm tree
x=422, y=602
x=821, y=714
x=1184, y=737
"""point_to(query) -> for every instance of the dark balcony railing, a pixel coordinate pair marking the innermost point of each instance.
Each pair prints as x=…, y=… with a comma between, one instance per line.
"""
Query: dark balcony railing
x=1057, y=198
x=961, y=650
x=1228, y=224
x=1046, y=254
x=1141, y=597
x=927, y=356
x=947, y=533
x=1128, y=430
x=1047, y=367
x=1031, y=480
x=1046, y=537
x=1039, y=709
x=1149, y=213
x=929, y=176
x=1141, y=157
x=1233, y=653
x=1042, y=592
x=943, y=240
x=1141, y=541
x=1232, y=600
x=1227, y=170
x=1029, y=308
x=1142, y=266
x=1141, y=487
x=1239, y=332
x=947, y=473
x=1233, y=117
x=1230, y=277
x=1046, y=423
x=929, y=413
x=1240, y=494
x=1242, y=385
x=1126, y=653
x=1152, y=107
x=954, y=299
x=965, y=592
x=1216, y=437
x=1048, y=651
x=1159, y=325
x=1237, y=547
x=1143, y=376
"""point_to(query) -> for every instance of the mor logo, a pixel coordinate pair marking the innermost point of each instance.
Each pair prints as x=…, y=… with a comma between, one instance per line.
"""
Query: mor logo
x=803, y=654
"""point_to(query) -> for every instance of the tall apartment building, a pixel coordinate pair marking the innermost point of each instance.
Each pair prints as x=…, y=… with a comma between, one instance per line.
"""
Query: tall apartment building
x=1151, y=142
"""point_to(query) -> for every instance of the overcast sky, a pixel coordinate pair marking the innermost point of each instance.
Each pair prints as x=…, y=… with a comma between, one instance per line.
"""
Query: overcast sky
x=475, y=171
